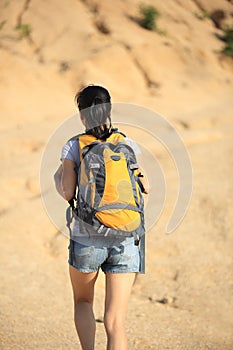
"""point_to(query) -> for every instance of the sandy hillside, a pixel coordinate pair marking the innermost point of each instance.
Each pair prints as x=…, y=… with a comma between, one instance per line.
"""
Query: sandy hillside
x=48, y=50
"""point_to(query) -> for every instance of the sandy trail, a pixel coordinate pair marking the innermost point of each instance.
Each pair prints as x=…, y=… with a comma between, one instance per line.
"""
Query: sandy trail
x=185, y=300
x=191, y=267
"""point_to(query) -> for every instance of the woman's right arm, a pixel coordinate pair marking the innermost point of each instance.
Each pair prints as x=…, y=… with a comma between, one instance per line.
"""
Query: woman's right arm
x=143, y=180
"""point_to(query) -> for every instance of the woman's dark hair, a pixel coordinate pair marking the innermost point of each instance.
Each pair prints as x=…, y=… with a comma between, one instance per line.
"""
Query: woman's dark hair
x=95, y=104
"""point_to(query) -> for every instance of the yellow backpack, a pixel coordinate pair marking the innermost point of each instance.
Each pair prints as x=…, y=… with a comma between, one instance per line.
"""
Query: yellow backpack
x=109, y=199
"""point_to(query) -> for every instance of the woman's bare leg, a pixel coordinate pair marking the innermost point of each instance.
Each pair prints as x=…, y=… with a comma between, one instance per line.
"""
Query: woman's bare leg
x=83, y=290
x=118, y=289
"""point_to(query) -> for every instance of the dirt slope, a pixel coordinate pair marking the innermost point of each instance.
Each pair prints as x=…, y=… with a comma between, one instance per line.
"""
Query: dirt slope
x=185, y=299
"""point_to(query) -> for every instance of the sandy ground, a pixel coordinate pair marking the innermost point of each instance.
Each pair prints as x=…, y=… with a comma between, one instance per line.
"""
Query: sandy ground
x=185, y=299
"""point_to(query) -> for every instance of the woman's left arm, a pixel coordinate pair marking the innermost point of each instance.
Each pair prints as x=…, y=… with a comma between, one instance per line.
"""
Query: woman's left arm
x=65, y=179
x=68, y=179
x=57, y=179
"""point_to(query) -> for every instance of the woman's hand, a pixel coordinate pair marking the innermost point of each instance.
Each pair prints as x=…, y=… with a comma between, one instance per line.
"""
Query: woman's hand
x=144, y=181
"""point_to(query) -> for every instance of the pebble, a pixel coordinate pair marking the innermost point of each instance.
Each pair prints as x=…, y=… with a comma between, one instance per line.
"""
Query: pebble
x=165, y=300
x=99, y=319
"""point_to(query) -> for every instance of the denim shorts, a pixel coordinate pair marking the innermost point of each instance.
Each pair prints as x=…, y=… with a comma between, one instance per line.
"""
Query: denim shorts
x=122, y=258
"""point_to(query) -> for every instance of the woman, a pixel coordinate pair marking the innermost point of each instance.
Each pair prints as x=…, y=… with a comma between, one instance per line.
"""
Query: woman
x=118, y=258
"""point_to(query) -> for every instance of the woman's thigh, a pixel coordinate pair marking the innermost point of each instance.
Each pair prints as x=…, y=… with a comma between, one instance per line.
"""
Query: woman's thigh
x=83, y=284
x=118, y=290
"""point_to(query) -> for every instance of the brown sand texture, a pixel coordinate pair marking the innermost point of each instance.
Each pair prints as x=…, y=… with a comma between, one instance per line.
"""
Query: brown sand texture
x=48, y=51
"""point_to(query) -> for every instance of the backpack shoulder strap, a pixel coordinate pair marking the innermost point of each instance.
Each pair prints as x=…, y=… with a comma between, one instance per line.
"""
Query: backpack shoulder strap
x=116, y=137
x=116, y=131
x=85, y=140
x=76, y=137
